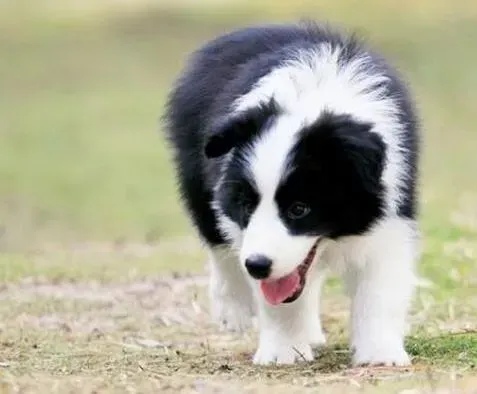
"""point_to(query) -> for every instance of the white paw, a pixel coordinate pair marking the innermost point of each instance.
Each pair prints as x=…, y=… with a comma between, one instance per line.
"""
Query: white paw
x=384, y=355
x=272, y=353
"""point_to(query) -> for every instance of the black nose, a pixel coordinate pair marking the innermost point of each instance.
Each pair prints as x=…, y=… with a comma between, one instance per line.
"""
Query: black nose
x=258, y=266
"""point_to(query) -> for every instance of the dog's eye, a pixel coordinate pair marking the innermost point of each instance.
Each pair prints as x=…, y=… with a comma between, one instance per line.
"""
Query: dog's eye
x=248, y=207
x=298, y=210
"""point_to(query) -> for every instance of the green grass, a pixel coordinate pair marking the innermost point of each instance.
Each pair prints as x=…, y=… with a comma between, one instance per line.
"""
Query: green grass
x=104, y=262
x=92, y=234
x=445, y=350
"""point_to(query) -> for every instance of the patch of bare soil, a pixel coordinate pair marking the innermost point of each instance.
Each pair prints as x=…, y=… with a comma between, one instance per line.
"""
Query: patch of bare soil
x=92, y=306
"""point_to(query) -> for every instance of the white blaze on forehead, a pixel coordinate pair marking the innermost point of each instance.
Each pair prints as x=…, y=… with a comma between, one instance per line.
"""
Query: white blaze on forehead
x=315, y=81
x=268, y=156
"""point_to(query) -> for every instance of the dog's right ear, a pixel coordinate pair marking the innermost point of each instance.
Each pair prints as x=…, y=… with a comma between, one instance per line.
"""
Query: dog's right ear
x=228, y=134
x=238, y=130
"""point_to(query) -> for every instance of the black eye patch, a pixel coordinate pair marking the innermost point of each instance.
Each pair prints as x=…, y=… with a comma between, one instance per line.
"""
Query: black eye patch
x=237, y=195
x=335, y=169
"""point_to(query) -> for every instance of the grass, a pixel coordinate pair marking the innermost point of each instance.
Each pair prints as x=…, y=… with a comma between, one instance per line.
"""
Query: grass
x=445, y=349
x=101, y=277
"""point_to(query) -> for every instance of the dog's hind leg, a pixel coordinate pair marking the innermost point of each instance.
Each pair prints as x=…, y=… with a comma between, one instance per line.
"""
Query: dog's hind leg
x=231, y=298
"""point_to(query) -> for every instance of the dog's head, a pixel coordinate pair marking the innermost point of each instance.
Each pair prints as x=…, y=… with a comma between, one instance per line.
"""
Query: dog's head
x=288, y=183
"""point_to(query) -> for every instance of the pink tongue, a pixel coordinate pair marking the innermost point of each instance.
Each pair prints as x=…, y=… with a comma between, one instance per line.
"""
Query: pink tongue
x=277, y=291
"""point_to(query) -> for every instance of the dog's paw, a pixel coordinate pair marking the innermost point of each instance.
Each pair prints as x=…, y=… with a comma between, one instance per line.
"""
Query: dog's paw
x=281, y=354
x=385, y=355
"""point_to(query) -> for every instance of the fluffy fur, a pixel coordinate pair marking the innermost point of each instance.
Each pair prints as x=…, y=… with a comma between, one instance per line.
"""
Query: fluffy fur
x=288, y=137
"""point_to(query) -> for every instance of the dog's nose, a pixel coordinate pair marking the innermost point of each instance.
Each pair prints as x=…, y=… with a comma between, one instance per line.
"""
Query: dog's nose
x=258, y=266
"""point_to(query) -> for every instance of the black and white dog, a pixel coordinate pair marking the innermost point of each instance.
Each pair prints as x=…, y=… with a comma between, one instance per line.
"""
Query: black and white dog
x=296, y=150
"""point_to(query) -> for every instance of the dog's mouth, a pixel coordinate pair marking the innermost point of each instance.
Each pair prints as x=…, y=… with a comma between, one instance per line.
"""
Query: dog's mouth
x=288, y=288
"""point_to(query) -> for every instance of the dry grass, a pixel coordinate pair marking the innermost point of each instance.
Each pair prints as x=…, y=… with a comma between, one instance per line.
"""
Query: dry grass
x=156, y=334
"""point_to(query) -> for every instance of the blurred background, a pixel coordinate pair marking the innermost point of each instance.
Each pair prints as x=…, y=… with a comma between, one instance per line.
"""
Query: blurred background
x=82, y=87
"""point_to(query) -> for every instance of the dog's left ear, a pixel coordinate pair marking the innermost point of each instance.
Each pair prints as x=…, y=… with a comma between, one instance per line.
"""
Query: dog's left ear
x=348, y=146
x=366, y=150
x=237, y=130
x=228, y=134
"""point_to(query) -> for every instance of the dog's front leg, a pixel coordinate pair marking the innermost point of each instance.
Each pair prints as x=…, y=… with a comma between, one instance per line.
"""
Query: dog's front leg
x=230, y=294
x=381, y=286
x=285, y=330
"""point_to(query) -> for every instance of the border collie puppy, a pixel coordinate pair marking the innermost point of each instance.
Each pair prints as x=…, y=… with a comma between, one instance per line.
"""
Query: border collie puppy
x=296, y=152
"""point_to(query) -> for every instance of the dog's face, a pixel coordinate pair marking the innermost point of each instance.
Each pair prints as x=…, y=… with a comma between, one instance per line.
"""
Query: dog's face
x=287, y=184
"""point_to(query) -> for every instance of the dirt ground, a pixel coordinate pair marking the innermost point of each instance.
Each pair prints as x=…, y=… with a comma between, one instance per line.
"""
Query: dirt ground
x=156, y=335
